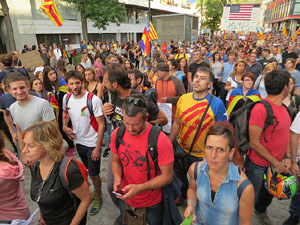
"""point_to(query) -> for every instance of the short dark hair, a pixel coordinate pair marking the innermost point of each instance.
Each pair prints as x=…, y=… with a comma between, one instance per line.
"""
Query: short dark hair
x=222, y=129
x=276, y=80
x=15, y=77
x=137, y=74
x=248, y=74
x=204, y=69
x=131, y=109
x=7, y=60
x=267, y=50
x=117, y=73
x=73, y=74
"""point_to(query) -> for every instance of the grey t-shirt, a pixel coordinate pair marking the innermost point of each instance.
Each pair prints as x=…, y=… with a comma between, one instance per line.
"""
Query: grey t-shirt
x=37, y=109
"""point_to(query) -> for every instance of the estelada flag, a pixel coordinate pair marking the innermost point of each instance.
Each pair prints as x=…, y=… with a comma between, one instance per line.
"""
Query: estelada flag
x=151, y=32
x=50, y=9
x=145, y=43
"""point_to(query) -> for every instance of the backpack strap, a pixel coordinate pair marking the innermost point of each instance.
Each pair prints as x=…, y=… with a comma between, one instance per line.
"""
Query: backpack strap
x=89, y=103
x=269, y=118
x=242, y=187
x=63, y=171
x=152, y=148
x=196, y=170
x=68, y=96
x=119, y=136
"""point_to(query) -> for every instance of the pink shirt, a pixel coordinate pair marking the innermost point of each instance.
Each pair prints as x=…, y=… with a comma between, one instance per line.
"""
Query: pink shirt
x=98, y=69
x=13, y=204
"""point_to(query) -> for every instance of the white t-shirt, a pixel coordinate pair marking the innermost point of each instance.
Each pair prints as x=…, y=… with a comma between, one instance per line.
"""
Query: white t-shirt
x=233, y=84
x=57, y=53
x=295, y=127
x=80, y=117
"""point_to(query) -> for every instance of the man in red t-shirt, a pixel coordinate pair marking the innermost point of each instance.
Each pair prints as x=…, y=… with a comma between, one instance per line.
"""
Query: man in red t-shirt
x=271, y=146
x=129, y=162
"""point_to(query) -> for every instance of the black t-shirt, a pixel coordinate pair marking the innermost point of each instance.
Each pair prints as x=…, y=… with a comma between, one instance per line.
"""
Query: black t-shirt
x=194, y=66
x=56, y=204
x=287, y=55
x=265, y=61
x=117, y=117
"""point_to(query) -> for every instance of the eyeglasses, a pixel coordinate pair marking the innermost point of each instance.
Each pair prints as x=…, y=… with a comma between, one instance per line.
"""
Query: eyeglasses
x=136, y=101
x=39, y=194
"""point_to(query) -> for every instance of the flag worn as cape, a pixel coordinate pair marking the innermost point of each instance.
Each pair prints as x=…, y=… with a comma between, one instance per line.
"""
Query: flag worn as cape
x=50, y=9
x=145, y=43
x=237, y=94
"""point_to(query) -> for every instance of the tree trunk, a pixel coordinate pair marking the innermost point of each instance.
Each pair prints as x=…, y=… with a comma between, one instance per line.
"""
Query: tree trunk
x=84, y=27
x=10, y=31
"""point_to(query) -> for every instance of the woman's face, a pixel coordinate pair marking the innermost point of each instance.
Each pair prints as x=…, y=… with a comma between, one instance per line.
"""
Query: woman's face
x=89, y=76
x=52, y=76
x=291, y=85
x=248, y=83
x=268, y=70
x=32, y=150
x=289, y=64
x=217, y=152
x=240, y=68
x=80, y=69
x=182, y=63
x=37, y=86
x=217, y=56
x=171, y=67
x=127, y=64
x=40, y=76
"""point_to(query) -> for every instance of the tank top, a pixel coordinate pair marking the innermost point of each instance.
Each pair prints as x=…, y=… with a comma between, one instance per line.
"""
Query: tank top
x=216, y=69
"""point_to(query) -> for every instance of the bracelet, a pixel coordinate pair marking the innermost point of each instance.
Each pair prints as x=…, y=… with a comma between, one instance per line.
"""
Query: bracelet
x=288, y=157
x=194, y=203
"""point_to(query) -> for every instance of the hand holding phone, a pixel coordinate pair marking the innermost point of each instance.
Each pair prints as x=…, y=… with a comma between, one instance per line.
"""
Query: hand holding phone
x=119, y=193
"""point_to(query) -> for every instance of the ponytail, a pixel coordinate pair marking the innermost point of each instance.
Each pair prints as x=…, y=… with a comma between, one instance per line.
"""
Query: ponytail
x=3, y=157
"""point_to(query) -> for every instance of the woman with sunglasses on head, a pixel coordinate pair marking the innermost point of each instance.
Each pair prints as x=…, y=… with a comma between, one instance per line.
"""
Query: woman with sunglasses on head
x=13, y=204
x=231, y=194
x=44, y=147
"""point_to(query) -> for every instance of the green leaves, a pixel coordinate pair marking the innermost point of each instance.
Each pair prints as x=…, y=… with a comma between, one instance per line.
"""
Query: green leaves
x=101, y=12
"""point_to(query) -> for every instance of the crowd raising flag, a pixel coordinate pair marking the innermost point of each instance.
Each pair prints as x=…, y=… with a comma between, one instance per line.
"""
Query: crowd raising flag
x=148, y=35
x=295, y=35
x=283, y=29
x=50, y=9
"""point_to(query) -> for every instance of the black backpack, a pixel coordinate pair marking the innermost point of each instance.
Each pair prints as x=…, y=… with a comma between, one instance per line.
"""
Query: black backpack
x=240, y=121
x=152, y=145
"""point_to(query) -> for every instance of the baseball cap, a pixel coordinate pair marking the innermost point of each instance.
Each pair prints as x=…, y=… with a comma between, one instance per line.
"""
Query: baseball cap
x=161, y=67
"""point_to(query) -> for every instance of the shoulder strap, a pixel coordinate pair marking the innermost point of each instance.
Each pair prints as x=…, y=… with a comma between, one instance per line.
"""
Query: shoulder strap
x=196, y=171
x=242, y=187
x=269, y=118
x=119, y=136
x=152, y=149
x=89, y=103
x=67, y=99
x=200, y=124
x=63, y=171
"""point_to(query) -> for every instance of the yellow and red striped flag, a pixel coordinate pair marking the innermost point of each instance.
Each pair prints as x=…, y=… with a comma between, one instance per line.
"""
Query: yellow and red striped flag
x=151, y=32
x=50, y=9
x=296, y=33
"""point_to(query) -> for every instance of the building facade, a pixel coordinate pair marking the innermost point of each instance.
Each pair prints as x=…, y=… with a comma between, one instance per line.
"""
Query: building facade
x=281, y=12
x=32, y=26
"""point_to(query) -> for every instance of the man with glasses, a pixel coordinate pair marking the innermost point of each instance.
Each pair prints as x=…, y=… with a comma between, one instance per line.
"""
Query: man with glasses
x=131, y=183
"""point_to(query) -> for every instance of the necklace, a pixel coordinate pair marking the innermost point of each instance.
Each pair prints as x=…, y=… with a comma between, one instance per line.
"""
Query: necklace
x=40, y=190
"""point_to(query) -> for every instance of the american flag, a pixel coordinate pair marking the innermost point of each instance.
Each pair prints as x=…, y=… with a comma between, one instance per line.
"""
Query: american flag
x=241, y=12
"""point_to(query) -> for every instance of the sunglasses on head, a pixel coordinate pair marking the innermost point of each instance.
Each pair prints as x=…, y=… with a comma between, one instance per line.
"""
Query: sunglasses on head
x=136, y=101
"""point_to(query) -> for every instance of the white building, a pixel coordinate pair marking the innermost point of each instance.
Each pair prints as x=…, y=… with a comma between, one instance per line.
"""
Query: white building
x=32, y=26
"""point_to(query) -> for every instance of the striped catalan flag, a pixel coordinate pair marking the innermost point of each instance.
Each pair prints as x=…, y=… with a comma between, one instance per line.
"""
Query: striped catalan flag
x=151, y=32
x=50, y=9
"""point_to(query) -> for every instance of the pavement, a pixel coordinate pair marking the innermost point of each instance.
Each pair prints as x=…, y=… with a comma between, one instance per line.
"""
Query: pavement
x=278, y=210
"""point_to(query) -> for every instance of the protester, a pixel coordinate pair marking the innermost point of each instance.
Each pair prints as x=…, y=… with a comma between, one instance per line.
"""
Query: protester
x=85, y=61
x=7, y=61
x=92, y=84
x=44, y=147
x=253, y=66
x=190, y=111
x=219, y=192
x=216, y=66
x=98, y=67
x=183, y=69
x=290, y=64
x=260, y=81
x=292, y=101
x=267, y=148
x=139, y=192
x=13, y=204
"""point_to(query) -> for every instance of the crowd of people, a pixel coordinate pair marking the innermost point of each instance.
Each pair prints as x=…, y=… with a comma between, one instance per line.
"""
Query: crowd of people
x=164, y=122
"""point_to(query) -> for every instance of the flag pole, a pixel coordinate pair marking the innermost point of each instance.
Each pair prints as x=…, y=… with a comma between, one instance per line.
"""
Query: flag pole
x=223, y=52
x=247, y=44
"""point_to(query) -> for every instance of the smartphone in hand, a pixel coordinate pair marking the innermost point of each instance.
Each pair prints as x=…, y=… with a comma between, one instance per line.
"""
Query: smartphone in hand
x=119, y=193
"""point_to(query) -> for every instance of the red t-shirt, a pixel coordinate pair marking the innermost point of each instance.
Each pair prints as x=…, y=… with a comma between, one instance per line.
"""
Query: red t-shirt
x=277, y=136
x=133, y=158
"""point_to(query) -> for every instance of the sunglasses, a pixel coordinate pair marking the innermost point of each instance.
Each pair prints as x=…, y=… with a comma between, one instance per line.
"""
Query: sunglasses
x=136, y=101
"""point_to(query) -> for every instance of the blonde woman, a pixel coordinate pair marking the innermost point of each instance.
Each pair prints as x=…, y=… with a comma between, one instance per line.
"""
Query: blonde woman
x=92, y=83
x=44, y=148
x=260, y=81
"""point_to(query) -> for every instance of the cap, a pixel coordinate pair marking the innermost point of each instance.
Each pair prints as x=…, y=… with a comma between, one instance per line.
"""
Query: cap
x=161, y=67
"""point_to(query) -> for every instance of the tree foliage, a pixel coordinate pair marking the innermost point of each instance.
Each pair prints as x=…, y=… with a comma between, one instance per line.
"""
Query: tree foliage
x=101, y=12
x=212, y=11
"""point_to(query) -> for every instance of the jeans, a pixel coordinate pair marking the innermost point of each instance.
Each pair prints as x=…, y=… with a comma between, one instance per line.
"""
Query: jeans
x=154, y=214
x=223, y=93
x=255, y=174
x=181, y=173
x=295, y=202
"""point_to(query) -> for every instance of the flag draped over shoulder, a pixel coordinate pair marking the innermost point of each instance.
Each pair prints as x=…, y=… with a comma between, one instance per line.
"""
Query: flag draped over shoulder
x=50, y=9
x=237, y=95
x=145, y=43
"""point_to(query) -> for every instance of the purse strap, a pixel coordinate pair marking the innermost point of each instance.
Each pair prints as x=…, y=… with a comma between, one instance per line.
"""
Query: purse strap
x=200, y=124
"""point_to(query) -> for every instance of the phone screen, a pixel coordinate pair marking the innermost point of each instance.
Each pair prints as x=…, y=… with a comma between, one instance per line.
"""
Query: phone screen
x=118, y=193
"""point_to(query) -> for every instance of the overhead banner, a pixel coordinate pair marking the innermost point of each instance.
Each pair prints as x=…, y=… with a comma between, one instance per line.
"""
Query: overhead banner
x=240, y=17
